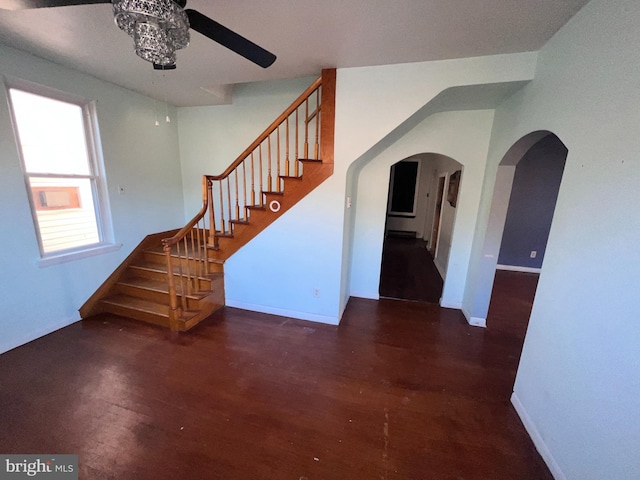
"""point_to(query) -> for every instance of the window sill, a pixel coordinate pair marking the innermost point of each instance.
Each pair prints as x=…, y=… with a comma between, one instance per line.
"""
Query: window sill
x=64, y=257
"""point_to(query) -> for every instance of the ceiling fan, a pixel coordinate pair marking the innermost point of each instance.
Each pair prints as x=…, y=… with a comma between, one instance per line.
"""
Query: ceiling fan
x=160, y=27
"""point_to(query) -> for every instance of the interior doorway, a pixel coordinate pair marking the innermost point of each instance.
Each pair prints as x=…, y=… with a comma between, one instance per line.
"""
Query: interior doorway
x=421, y=210
x=527, y=223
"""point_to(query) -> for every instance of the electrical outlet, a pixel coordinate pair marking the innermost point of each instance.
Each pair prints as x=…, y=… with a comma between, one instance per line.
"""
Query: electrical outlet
x=533, y=254
x=316, y=292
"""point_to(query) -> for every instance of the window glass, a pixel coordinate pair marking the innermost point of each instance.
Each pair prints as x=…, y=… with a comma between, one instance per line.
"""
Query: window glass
x=51, y=133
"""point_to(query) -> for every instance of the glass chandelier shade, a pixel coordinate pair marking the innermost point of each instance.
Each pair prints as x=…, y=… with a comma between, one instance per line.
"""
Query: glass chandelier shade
x=158, y=28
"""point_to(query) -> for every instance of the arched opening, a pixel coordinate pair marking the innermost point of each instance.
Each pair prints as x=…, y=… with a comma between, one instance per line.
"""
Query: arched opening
x=525, y=192
x=534, y=191
x=420, y=216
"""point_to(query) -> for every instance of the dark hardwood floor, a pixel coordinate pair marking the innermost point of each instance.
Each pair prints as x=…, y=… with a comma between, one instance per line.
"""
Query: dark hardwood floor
x=408, y=271
x=400, y=390
x=511, y=303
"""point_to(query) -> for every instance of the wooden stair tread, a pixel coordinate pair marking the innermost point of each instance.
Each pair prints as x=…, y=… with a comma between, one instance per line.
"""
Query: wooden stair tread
x=159, y=268
x=159, y=286
x=158, y=250
x=291, y=177
x=137, y=304
x=272, y=192
x=144, y=310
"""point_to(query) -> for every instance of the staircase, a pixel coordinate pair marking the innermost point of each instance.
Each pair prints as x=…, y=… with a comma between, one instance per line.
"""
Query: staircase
x=176, y=279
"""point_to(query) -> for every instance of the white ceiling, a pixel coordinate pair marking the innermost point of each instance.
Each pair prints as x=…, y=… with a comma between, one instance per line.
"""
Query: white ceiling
x=306, y=36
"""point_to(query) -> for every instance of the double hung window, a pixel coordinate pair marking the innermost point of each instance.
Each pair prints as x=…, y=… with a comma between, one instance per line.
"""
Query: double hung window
x=59, y=146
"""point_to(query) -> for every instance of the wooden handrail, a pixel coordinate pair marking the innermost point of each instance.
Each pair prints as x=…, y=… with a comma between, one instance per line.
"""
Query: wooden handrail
x=194, y=221
x=270, y=129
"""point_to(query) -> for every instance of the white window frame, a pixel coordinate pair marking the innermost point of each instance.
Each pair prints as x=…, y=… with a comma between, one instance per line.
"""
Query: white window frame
x=97, y=176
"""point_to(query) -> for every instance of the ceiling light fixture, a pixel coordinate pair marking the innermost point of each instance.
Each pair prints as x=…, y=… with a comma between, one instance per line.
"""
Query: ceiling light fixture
x=158, y=28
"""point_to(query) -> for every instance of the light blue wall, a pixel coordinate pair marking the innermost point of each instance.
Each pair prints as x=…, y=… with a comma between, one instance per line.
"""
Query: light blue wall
x=378, y=106
x=439, y=133
x=578, y=382
x=137, y=155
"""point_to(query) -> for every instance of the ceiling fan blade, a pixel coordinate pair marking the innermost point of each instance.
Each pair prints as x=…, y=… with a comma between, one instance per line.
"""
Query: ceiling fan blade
x=233, y=41
x=28, y=4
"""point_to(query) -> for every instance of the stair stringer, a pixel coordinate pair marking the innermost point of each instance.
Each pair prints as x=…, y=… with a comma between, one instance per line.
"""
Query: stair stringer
x=260, y=217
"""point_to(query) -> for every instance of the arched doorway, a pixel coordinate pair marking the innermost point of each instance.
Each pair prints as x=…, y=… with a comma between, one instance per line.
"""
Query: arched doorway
x=420, y=217
x=515, y=198
x=534, y=191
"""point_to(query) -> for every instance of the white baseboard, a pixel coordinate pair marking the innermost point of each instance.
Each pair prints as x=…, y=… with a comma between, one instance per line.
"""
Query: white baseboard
x=474, y=321
x=447, y=304
x=312, y=317
x=367, y=295
x=537, y=439
x=516, y=268
x=5, y=346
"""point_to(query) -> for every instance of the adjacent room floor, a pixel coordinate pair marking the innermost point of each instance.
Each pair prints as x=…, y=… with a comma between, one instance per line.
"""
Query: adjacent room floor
x=400, y=390
x=408, y=271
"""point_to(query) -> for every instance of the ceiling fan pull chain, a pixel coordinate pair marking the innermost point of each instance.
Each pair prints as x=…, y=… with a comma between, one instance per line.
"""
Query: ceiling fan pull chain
x=164, y=92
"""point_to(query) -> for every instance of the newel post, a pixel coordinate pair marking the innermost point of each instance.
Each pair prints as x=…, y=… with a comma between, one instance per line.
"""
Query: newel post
x=174, y=309
x=328, y=113
x=207, y=192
